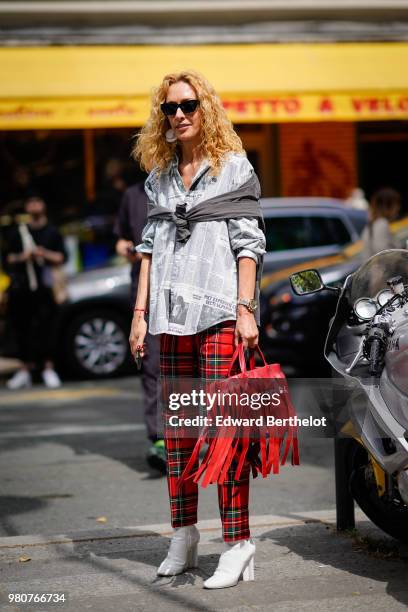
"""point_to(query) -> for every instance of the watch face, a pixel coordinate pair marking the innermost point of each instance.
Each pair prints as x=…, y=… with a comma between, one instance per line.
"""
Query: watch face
x=250, y=304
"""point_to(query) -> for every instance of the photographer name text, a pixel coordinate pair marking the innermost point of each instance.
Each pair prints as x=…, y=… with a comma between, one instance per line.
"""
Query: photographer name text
x=259, y=421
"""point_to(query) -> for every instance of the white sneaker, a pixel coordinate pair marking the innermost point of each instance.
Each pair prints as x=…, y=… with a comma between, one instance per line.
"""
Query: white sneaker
x=182, y=552
x=51, y=378
x=235, y=562
x=22, y=378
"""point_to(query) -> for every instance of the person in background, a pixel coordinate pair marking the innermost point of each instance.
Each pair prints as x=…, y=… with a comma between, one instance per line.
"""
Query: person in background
x=357, y=200
x=33, y=250
x=385, y=206
x=129, y=224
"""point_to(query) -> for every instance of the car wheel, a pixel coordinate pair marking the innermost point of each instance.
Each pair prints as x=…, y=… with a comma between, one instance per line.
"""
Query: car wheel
x=97, y=344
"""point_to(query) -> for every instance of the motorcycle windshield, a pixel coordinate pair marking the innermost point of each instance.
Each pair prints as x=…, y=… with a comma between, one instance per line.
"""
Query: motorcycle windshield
x=370, y=278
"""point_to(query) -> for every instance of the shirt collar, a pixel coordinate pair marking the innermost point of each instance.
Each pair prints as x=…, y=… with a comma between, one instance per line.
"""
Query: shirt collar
x=205, y=164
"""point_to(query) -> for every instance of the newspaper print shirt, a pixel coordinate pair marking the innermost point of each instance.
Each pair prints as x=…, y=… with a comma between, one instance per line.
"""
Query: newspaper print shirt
x=194, y=285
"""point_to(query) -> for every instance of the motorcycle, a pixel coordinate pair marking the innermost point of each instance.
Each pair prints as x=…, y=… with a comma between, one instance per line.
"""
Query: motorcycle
x=367, y=347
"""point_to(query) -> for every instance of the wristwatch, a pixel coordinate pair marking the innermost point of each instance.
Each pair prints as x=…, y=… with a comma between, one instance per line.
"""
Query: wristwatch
x=251, y=305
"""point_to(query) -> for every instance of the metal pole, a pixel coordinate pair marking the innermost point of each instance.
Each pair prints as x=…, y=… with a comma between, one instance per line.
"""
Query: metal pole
x=344, y=498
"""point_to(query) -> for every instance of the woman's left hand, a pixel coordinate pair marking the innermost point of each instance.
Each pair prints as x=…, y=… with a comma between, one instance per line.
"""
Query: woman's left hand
x=246, y=329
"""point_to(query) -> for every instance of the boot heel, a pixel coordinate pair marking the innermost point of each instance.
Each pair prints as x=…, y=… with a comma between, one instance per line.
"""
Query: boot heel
x=192, y=556
x=249, y=571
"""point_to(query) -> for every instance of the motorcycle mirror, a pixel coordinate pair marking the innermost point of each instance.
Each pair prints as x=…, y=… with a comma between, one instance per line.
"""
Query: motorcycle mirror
x=306, y=281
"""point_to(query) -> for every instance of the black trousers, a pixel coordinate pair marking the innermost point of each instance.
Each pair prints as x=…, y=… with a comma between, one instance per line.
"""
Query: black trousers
x=150, y=380
x=150, y=376
x=32, y=316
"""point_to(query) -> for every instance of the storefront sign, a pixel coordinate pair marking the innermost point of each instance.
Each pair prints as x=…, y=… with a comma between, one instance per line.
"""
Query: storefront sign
x=71, y=114
x=110, y=86
x=336, y=107
x=133, y=112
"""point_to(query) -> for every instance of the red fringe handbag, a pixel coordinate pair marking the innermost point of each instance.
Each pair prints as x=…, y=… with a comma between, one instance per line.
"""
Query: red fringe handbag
x=264, y=446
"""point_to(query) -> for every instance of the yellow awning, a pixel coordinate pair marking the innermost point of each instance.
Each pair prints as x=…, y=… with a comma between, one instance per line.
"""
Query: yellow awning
x=78, y=87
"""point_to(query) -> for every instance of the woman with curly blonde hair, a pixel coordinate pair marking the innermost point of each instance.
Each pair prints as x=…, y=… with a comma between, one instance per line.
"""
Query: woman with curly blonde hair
x=218, y=137
x=201, y=250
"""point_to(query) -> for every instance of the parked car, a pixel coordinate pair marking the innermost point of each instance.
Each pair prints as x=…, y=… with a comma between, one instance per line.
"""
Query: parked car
x=294, y=328
x=298, y=229
x=94, y=324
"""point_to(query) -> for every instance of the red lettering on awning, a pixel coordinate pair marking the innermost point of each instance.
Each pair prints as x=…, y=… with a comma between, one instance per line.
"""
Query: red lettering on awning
x=288, y=105
x=326, y=105
x=121, y=109
x=358, y=105
x=292, y=106
x=22, y=112
x=403, y=104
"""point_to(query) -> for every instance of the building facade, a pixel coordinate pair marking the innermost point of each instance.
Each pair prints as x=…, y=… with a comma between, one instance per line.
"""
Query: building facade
x=318, y=91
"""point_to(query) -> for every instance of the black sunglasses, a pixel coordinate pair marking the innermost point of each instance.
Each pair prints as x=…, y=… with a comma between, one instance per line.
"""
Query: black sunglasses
x=188, y=106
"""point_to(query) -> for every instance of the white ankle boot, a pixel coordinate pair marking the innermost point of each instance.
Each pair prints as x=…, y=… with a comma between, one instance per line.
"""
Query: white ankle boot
x=51, y=378
x=182, y=552
x=21, y=379
x=236, y=561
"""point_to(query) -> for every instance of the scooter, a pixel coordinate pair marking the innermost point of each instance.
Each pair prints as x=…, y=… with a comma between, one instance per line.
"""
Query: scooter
x=367, y=347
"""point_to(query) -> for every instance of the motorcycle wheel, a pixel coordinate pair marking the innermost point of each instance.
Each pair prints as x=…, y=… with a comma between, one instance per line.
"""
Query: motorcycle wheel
x=389, y=513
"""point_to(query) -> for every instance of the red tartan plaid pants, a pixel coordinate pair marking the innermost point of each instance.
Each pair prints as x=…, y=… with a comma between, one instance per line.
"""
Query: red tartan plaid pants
x=205, y=355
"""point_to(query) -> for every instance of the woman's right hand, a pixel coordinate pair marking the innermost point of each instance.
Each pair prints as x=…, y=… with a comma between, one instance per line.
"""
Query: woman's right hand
x=138, y=333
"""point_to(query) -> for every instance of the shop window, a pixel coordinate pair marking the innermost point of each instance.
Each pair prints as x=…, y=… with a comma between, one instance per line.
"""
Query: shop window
x=115, y=170
x=382, y=155
x=82, y=175
x=317, y=159
x=49, y=162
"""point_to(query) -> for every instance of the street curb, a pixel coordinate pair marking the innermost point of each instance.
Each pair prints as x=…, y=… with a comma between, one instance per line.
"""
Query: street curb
x=270, y=521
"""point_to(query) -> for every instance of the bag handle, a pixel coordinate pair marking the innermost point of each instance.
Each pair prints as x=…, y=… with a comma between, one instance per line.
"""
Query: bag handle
x=252, y=357
x=239, y=352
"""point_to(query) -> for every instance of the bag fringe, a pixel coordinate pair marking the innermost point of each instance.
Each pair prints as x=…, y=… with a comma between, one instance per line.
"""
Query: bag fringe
x=226, y=449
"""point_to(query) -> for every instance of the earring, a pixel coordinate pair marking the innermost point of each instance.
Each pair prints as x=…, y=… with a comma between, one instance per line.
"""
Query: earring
x=171, y=136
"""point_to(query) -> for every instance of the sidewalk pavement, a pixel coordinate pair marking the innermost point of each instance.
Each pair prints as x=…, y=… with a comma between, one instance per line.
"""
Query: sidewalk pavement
x=302, y=563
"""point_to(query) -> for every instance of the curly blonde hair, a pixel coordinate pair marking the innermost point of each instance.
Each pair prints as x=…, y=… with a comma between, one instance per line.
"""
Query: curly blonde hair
x=218, y=137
